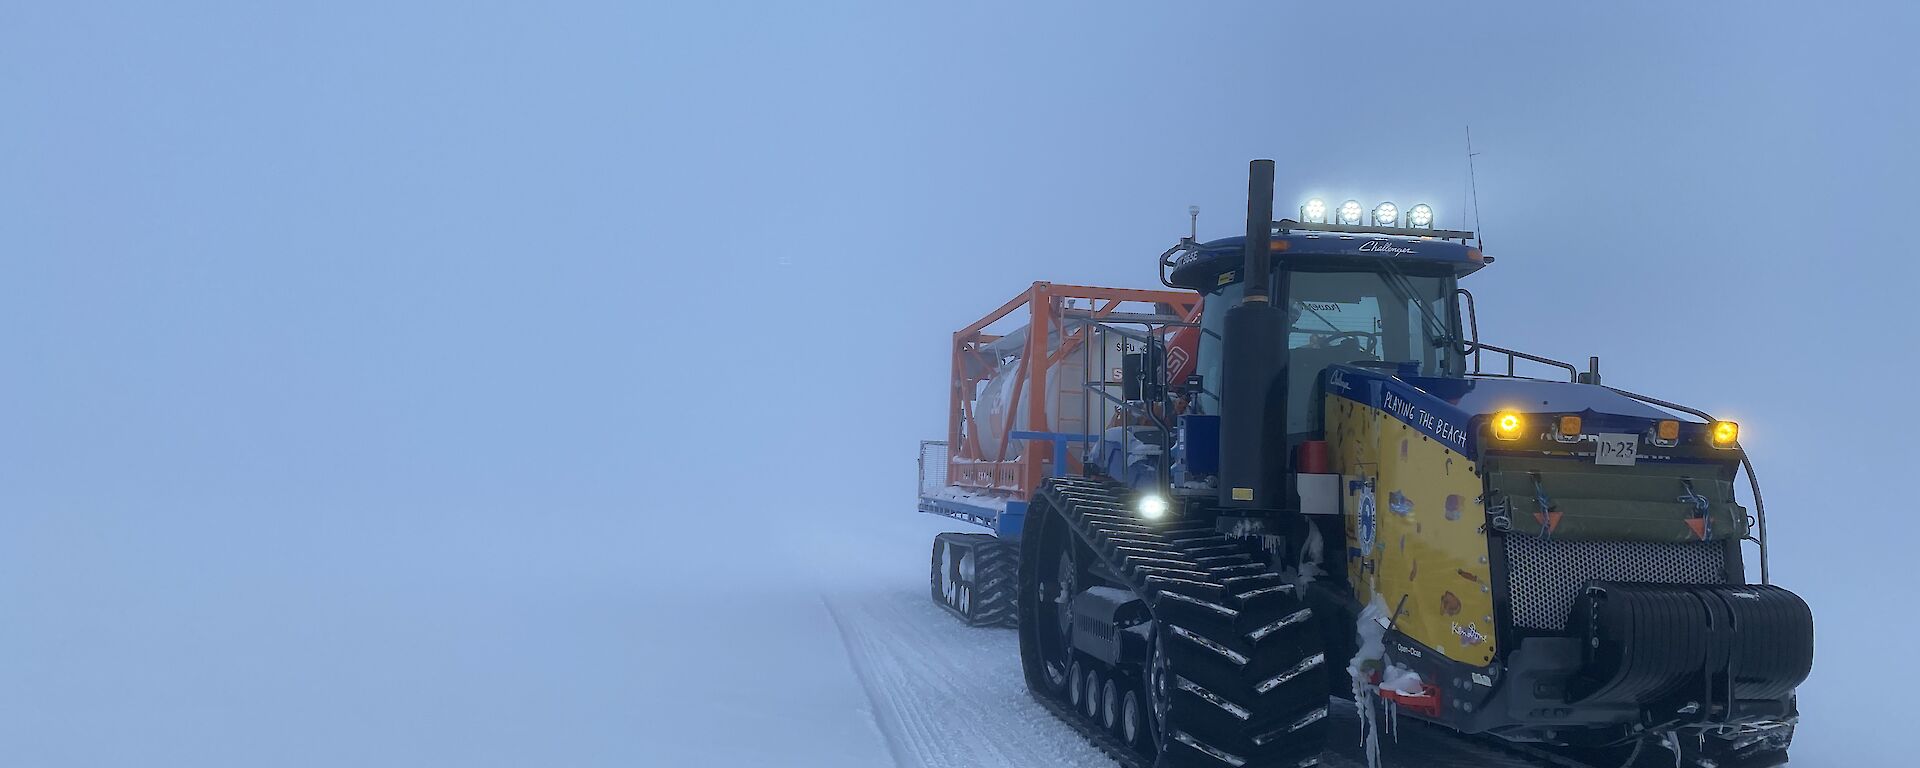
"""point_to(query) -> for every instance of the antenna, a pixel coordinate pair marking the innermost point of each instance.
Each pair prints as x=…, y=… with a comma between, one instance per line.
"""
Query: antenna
x=1473, y=185
x=1193, y=222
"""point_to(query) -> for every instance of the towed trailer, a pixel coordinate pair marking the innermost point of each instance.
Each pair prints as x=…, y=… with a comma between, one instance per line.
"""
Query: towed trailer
x=1034, y=384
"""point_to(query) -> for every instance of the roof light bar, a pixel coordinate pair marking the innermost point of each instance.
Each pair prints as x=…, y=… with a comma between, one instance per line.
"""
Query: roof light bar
x=1420, y=216
x=1351, y=213
x=1314, y=212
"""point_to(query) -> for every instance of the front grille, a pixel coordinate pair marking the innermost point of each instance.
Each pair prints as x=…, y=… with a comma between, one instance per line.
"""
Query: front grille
x=1545, y=575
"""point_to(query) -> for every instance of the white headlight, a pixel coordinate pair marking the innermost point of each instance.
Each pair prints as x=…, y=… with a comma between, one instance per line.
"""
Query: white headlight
x=1350, y=213
x=1385, y=214
x=1152, y=507
x=1420, y=216
x=1314, y=212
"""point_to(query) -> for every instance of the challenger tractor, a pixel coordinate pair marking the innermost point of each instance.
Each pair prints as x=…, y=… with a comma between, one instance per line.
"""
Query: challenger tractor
x=1294, y=480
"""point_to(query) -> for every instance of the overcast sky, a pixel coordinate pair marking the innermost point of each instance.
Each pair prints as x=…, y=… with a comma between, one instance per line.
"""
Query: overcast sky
x=295, y=299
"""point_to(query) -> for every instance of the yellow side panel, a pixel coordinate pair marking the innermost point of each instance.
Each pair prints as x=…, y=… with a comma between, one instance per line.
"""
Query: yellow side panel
x=1427, y=545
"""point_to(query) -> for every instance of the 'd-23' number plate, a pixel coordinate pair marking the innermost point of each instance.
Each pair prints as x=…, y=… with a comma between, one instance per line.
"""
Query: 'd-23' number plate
x=1616, y=449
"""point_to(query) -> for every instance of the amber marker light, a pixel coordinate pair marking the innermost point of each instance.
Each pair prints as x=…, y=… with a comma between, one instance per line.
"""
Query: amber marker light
x=1569, y=426
x=1507, y=425
x=1726, y=434
x=1668, y=430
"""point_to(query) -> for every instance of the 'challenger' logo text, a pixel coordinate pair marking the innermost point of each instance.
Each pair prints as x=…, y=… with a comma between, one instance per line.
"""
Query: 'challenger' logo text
x=1384, y=246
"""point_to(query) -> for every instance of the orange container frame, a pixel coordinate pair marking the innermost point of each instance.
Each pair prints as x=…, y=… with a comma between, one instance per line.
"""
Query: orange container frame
x=1043, y=305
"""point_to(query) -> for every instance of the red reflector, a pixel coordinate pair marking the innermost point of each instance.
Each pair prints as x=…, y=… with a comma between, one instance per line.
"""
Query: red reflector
x=1427, y=703
x=1312, y=457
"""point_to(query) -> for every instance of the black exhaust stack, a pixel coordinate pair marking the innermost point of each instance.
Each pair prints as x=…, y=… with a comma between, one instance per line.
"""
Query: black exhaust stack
x=1253, y=408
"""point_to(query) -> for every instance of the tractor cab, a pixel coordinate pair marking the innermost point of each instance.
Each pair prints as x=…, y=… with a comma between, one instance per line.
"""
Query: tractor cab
x=1372, y=297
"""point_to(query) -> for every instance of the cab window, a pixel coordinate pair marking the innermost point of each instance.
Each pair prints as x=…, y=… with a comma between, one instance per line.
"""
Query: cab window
x=1336, y=318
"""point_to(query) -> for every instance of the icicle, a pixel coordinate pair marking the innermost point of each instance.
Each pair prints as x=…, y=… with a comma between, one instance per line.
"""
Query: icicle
x=1393, y=720
x=1312, y=554
x=1369, y=728
x=1372, y=630
x=1671, y=740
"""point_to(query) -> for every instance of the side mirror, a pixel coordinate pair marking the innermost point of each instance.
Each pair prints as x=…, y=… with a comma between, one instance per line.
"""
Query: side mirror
x=1133, y=379
x=1471, y=322
x=1140, y=377
x=1469, y=319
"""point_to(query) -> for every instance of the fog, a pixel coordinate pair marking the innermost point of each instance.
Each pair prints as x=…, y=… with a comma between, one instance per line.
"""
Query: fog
x=473, y=385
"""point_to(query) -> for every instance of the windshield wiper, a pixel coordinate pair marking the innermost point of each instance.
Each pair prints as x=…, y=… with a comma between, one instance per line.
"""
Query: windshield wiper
x=1403, y=289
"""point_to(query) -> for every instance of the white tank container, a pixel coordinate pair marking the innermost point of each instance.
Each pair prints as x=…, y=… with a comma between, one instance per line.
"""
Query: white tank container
x=1071, y=408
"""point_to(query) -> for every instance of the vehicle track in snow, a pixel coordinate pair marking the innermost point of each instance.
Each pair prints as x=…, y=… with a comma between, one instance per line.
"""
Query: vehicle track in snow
x=946, y=695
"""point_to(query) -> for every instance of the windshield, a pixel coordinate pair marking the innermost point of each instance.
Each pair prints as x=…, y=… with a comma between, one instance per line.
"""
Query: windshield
x=1338, y=318
x=1345, y=317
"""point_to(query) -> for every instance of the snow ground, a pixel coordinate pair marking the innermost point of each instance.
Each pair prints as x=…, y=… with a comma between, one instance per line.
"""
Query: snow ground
x=525, y=642
x=947, y=695
x=410, y=640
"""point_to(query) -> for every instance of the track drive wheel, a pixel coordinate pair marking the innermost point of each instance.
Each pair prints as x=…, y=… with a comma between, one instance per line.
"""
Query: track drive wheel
x=1046, y=605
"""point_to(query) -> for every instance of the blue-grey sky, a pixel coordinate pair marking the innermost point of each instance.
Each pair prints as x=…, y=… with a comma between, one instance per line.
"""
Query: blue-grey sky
x=315, y=313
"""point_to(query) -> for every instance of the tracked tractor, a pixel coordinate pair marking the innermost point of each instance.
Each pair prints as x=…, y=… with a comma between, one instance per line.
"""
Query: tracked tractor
x=1290, y=482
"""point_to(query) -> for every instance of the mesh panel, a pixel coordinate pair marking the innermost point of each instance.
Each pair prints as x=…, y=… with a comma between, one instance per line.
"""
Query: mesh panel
x=933, y=465
x=1545, y=575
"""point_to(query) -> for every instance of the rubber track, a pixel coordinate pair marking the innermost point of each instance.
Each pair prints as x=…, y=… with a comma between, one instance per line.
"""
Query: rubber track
x=993, y=595
x=1104, y=524
x=996, y=590
x=1195, y=577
